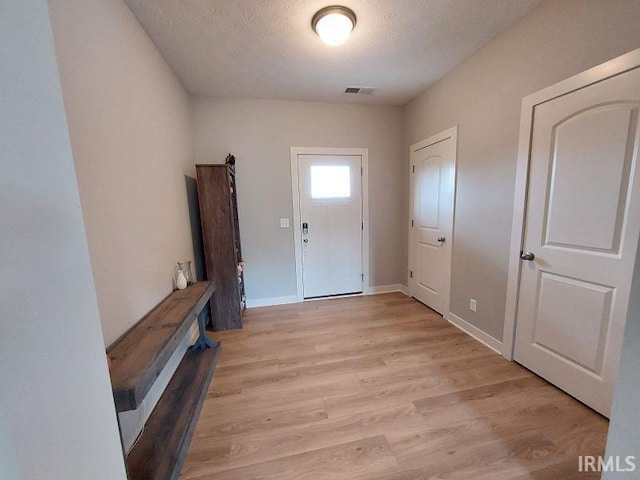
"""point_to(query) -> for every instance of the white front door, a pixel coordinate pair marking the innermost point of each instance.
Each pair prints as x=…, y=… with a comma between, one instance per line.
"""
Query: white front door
x=331, y=221
x=581, y=232
x=432, y=196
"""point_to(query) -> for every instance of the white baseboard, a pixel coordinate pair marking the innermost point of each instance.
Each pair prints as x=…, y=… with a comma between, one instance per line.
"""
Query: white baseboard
x=404, y=289
x=270, y=301
x=475, y=332
x=384, y=289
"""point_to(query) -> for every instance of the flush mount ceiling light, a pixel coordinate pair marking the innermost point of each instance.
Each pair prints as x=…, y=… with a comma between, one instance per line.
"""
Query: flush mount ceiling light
x=334, y=24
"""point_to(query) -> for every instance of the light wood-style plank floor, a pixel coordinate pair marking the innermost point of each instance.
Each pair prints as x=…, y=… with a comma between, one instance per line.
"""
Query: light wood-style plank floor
x=380, y=387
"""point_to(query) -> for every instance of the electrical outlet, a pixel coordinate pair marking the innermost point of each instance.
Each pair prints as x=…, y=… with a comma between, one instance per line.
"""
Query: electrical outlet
x=473, y=304
x=284, y=223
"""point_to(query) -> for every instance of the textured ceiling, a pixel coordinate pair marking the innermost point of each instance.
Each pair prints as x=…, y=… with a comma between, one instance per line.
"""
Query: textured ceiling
x=266, y=48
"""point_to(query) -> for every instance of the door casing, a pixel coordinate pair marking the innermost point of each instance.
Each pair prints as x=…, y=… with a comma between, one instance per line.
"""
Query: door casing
x=596, y=74
x=453, y=134
x=297, y=221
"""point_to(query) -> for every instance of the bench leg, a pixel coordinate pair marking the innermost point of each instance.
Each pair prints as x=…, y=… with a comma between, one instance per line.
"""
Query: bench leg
x=203, y=341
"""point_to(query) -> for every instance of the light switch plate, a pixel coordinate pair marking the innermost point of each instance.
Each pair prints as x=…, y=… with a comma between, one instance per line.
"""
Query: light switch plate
x=284, y=223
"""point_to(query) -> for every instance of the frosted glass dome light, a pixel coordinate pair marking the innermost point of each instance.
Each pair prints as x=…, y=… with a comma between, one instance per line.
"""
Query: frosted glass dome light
x=334, y=24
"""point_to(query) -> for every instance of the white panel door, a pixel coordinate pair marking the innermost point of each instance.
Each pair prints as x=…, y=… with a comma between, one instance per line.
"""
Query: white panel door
x=581, y=233
x=432, y=197
x=331, y=216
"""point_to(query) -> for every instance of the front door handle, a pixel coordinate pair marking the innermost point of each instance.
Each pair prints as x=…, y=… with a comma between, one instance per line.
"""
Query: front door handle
x=441, y=239
x=528, y=256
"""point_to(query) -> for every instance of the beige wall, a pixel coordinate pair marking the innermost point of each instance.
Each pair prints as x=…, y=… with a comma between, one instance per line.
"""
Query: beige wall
x=482, y=95
x=57, y=417
x=259, y=133
x=130, y=128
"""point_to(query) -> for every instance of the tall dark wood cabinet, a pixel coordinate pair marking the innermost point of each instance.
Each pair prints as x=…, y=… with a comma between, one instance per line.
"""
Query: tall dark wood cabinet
x=221, y=238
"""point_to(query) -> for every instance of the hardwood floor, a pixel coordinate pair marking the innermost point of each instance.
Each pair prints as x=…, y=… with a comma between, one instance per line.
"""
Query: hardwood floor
x=380, y=387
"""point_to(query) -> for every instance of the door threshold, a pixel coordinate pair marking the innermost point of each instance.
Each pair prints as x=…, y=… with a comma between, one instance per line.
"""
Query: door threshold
x=336, y=295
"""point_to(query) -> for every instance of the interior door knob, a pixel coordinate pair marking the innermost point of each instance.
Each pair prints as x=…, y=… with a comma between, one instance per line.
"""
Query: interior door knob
x=529, y=256
x=441, y=239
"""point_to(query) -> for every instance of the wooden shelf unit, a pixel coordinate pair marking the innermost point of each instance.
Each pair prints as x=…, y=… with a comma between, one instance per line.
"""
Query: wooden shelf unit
x=221, y=239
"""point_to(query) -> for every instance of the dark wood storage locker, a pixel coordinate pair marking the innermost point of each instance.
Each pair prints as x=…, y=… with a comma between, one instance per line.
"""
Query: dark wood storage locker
x=221, y=238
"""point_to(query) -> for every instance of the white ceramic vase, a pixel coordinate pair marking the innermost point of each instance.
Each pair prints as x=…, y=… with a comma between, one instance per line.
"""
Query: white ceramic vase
x=181, y=280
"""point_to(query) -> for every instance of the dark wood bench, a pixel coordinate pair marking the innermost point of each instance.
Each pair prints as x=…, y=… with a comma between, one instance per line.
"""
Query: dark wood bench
x=137, y=359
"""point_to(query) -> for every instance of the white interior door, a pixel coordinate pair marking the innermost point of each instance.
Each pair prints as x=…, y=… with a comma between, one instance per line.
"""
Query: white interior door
x=331, y=220
x=581, y=232
x=432, y=198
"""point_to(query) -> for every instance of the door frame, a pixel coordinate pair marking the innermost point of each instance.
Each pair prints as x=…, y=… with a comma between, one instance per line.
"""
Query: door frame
x=611, y=68
x=438, y=137
x=297, y=221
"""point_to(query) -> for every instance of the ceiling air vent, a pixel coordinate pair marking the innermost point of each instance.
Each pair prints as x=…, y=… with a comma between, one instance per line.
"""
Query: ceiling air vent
x=360, y=90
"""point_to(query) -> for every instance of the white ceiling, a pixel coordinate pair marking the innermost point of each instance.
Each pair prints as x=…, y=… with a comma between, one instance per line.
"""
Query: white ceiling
x=267, y=49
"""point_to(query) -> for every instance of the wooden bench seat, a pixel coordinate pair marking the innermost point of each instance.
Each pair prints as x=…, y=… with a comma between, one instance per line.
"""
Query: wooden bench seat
x=137, y=359
x=138, y=356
